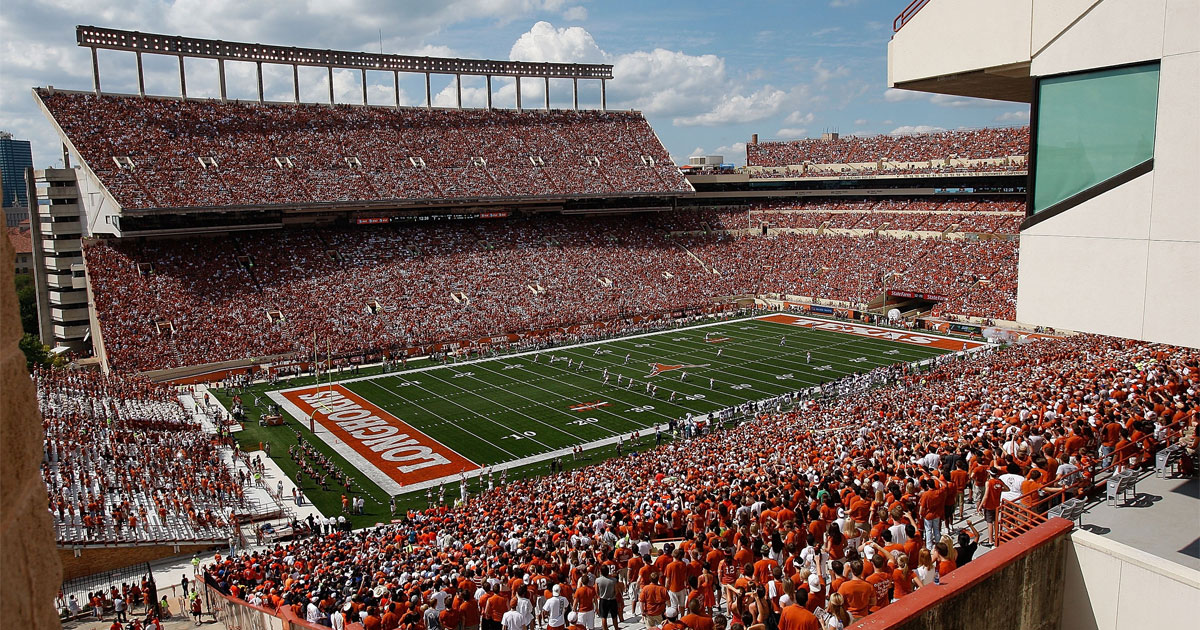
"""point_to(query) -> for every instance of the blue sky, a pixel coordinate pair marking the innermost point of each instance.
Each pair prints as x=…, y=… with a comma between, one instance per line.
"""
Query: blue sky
x=706, y=74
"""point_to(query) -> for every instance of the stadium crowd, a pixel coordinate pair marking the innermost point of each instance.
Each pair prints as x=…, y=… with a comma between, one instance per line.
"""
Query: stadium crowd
x=987, y=216
x=360, y=289
x=265, y=154
x=124, y=463
x=839, y=507
x=968, y=144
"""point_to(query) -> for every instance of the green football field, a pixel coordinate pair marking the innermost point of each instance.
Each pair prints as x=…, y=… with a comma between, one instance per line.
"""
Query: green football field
x=493, y=412
x=514, y=411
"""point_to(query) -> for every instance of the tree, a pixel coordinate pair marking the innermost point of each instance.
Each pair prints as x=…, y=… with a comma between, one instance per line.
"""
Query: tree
x=36, y=352
x=27, y=300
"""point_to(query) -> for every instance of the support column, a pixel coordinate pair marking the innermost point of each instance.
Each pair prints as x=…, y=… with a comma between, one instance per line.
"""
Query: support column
x=95, y=72
x=428, y=94
x=489, y=91
x=182, y=79
x=603, y=96
x=331, y=85
x=258, y=74
x=518, y=80
x=575, y=93
x=296, y=82
x=547, y=93
x=396, y=86
x=458, y=90
x=364, y=82
x=141, y=75
x=221, y=76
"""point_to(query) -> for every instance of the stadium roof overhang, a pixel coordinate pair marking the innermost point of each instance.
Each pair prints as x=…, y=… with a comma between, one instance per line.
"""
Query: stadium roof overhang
x=1006, y=83
x=174, y=45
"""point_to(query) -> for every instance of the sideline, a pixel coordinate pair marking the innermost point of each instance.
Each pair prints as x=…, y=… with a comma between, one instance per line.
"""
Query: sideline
x=392, y=487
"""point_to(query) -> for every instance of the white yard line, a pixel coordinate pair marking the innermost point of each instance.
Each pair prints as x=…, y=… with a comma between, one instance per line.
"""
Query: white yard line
x=390, y=486
x=529, y=352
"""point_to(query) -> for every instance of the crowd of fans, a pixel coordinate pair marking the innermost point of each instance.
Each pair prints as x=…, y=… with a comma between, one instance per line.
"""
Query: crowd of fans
x=989, y=216
x=373, y=289
x=833, y=154
x=858, y=269
x=124, y=463
x=839, y=507
x=263, y=154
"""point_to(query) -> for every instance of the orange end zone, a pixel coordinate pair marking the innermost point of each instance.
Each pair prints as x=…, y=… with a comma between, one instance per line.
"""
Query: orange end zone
x=863, y=330
x=399, y=451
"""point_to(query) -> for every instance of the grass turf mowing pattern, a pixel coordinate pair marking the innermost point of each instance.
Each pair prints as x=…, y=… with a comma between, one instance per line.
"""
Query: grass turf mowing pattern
x=751, y=360
x=510, y=408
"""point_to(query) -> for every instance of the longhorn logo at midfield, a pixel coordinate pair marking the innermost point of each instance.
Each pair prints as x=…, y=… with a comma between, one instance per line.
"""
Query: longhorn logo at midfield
x=588, y=406
x=659, y=368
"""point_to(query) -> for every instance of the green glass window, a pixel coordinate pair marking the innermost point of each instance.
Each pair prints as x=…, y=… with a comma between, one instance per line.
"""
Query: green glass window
x=1090, y=127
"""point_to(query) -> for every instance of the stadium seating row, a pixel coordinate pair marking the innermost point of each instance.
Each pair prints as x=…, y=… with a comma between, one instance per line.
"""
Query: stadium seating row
x=167, y=153
x=836, y=154
x=842, y=504
x=124, y=464
x=173, y=303
x=936, y=215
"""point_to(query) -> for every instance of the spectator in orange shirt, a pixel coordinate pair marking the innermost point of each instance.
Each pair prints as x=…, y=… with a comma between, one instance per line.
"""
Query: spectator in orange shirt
x=796, y=617
x=930, y=506
x=653, y=598
x=859, y=595
x=943, y=559
x=677, y=575
x=881, y=581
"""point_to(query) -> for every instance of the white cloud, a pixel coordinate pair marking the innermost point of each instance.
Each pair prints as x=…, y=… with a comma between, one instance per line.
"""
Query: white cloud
x=839, y=4
x=860, y=121
x=575, y=14
x=735, y=108
x=696, y=151
x=796, y=118
x=733, y=153
x=543, y=42
x=695, y=90
x=892, y=95
x=791, y=133
x=913, y=129
x=1021, y=116
x=824, y=74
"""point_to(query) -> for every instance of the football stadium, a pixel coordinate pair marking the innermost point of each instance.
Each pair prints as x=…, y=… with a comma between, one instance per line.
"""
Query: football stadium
x=409, y=363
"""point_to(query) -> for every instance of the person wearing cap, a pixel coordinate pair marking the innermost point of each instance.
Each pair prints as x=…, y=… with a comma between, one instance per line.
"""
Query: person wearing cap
x=671, y=619
x=556, y=609
x=513, y=620
x=337, y=620
x=814, y=591
x=573, y=622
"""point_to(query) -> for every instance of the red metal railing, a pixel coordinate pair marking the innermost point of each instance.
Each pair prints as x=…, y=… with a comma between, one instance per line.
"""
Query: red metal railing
x=907, y=14
x=1019, y=516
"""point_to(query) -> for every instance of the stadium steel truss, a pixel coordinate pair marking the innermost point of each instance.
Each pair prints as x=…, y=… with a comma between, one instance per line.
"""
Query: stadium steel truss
x=96, y=38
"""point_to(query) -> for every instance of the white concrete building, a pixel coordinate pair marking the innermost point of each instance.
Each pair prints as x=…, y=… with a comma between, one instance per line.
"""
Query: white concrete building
x=1111, y=243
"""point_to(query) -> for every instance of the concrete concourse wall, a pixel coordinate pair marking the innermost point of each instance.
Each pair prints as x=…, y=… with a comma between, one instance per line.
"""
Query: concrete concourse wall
x=97, y=559
x=30, y=572
x=1109, y=586
x=1017, y=586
